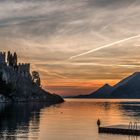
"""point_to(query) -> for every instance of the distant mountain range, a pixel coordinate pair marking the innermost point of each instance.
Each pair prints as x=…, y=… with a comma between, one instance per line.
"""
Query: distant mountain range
x=126, y=88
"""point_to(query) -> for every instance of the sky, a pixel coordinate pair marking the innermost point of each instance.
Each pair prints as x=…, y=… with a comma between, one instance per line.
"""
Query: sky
x=76, y=45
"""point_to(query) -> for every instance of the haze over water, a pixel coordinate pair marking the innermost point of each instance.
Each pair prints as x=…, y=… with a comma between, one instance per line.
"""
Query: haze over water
x=71, y=120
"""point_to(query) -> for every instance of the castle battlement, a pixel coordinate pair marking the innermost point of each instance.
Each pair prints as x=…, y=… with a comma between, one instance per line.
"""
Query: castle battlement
x=2, y=53
x=24, y=67
x=11, y=67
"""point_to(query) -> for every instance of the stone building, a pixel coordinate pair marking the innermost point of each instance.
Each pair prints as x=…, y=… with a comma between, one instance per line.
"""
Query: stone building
x=2, y=57
x=11, y=70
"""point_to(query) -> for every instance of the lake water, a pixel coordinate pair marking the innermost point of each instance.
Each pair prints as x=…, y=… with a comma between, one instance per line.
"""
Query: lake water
x=72, y=120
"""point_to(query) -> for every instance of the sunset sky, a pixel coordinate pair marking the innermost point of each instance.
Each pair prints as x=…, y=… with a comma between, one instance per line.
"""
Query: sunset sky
x=60, y=39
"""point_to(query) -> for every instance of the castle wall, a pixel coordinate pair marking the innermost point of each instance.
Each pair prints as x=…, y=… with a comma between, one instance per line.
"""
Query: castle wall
x=12, y=73
x=24, y=67
x=9, y=75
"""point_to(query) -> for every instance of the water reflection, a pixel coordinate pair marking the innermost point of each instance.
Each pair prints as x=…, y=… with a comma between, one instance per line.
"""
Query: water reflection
x=131, y=108
x=74, y=119
x=17, y=120
x=132, y=138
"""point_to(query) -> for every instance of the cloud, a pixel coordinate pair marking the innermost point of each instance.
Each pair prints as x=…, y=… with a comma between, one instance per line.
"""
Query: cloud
x=47, y=32
x=105, y=46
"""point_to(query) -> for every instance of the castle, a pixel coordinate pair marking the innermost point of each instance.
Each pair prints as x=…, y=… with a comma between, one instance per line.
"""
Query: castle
x=11, y=70
x=2, y=57
x=18, y=84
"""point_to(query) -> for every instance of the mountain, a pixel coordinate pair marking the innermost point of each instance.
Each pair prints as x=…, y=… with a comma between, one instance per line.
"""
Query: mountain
x=128, y=87
x=103, y=92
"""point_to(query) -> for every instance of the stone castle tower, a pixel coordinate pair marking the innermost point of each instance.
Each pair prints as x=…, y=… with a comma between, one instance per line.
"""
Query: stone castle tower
x=2, y=57
x=11, y=69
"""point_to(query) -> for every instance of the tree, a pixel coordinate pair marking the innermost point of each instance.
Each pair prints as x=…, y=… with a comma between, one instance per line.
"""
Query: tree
x=38, y=82
x=36, y=78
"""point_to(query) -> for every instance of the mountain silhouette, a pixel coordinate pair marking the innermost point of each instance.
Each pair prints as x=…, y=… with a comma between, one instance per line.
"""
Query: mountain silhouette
x=103, y=92
x=129, y=88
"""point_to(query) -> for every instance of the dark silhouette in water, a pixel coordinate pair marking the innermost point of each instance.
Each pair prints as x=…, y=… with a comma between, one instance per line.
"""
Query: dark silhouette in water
x=17, y=117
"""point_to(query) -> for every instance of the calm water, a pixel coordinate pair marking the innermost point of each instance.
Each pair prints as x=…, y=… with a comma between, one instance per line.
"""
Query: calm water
x=72, y=120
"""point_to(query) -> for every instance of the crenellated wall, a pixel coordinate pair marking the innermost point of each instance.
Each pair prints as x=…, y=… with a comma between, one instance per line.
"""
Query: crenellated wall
x=12, y=72
x=24, y=67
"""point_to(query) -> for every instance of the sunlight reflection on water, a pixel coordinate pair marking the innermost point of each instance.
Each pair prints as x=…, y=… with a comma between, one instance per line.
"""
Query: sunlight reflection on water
x=71, y=120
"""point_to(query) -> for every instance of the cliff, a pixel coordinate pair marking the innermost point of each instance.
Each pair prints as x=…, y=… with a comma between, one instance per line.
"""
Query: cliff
x=25, y=90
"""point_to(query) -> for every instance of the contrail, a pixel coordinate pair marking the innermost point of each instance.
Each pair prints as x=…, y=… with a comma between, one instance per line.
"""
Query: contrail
x=104, y=46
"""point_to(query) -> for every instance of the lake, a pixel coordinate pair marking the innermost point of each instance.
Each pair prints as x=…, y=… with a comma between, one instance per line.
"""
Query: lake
x=75, y=119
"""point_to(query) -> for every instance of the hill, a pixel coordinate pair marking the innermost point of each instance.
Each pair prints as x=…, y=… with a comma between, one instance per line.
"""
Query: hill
x=128, y=88
x=103, y=92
